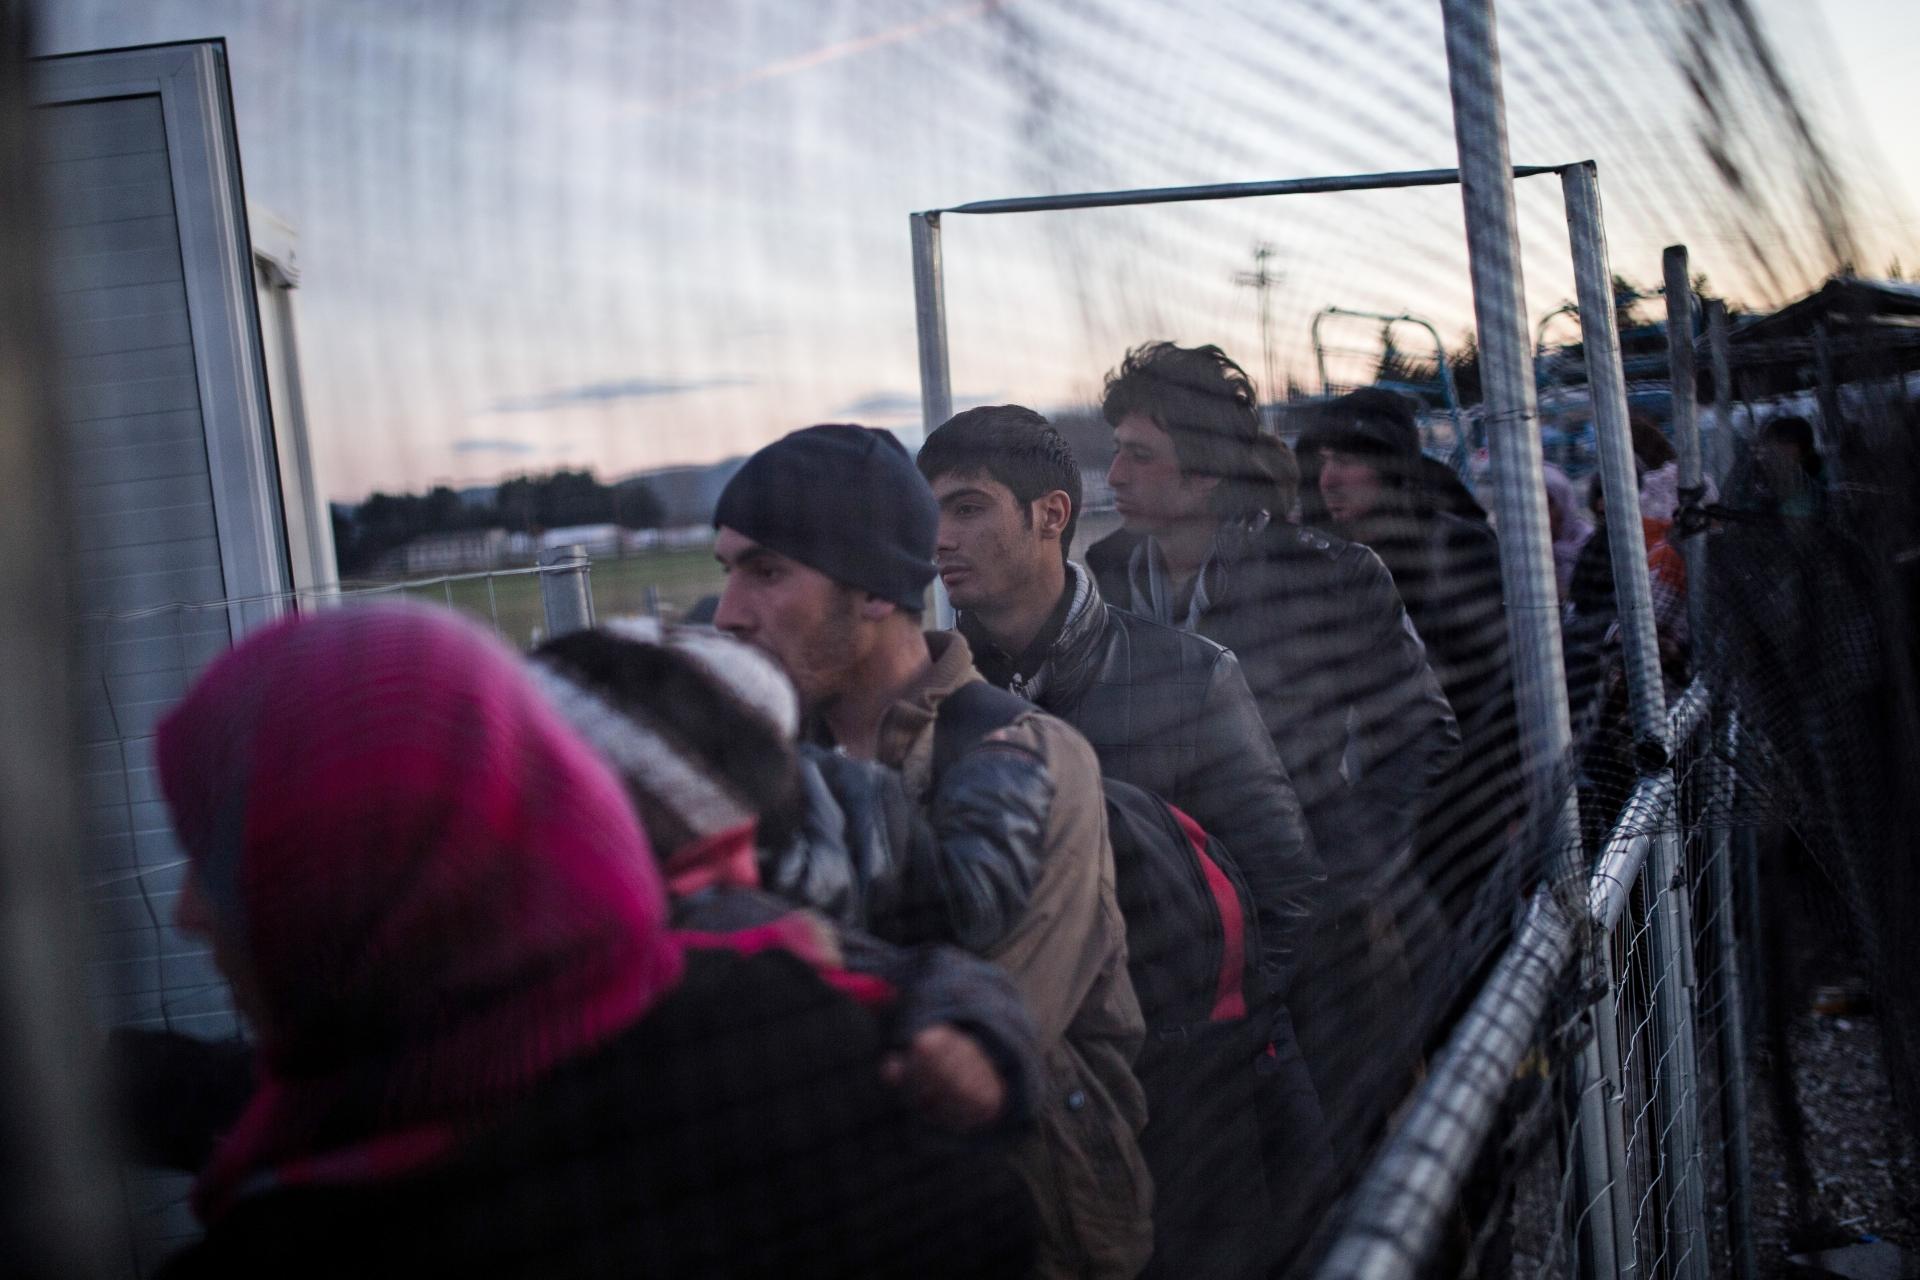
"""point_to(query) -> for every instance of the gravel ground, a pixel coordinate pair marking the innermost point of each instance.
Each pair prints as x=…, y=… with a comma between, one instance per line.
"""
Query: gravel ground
x=1866, y=1180
x=1865, y=1175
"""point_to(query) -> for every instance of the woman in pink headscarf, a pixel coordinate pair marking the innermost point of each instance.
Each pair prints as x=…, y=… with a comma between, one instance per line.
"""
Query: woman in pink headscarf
x=480, y=1050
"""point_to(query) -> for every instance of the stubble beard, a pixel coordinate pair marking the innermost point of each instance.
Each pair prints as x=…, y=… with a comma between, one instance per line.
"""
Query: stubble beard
x=825, y=661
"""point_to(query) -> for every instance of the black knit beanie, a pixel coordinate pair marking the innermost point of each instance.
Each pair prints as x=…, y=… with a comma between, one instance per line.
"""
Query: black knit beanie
x=1372, y=420
x=845, y=500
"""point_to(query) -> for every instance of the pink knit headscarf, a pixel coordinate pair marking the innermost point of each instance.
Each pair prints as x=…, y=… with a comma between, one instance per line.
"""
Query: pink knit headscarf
x=440, y=894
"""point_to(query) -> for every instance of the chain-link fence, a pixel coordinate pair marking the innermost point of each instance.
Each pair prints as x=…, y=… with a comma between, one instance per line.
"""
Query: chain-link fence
x=1623, y=1097
x=1542, y=994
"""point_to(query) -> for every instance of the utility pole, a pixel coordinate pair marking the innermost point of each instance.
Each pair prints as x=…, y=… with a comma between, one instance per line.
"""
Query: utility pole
x=1263, y=282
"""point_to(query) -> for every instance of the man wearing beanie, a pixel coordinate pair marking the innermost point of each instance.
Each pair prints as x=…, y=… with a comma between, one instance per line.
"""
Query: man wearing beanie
x=1367, y=483
x=827, y=537
x=701, y=730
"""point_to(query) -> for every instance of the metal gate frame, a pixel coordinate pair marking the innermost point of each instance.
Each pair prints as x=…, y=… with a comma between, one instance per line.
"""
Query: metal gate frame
x=1461, y=452
x=1401, y=1206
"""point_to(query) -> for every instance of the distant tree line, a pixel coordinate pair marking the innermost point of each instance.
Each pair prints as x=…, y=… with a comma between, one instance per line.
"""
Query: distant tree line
x=524, y=504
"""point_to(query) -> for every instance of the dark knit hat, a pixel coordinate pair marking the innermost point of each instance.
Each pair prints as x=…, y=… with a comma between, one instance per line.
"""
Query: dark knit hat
x=700, y=726
x=845, y=500
x=1372, y=423
x=1371, y=420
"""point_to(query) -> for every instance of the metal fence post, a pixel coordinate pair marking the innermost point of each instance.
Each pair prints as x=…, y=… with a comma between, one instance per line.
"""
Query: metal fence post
x=1526, y=554
x=930, y=325
x=1603, y=1207
x=1718, y=349
x=565, y=592
x=1675, y=1084
x=1686, y=432
x=1506, y=363
x=1413, y=1184
x=930, y=321
x=1614, y=448
x=1724, y=1009
x=1730, y=1039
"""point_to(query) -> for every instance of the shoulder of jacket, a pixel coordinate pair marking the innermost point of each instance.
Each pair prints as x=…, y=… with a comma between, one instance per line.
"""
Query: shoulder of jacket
x=1299, y=540
x=1188, y=646
x=1461, y=531
x=1060, y=747
x=1307, y=547
x=1112, y=550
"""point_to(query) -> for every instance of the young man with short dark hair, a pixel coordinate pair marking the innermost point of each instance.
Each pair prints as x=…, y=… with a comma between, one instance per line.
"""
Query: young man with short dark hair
x=827, y=537
x=1339, y=673
x=1170, y=713
x=1316, y=623
x=1165, y=710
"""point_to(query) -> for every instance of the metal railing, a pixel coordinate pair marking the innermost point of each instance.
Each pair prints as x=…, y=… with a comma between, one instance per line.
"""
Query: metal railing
x=1632, y=1178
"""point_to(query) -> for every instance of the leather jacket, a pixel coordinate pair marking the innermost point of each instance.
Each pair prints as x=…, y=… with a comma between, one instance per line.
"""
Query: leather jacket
x=1005, y=855
x=1171, y=713
x=1025, y=873
x=1340, y=676
x=856, y=834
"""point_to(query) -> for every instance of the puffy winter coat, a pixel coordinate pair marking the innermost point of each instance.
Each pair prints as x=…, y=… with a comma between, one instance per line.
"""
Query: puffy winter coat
x=1340, y=676
x=1171, y=713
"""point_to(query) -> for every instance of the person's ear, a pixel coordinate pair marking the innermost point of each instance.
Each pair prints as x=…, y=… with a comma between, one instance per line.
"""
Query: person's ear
x=1201, y=484
x=875, y=609
x=1051, y=511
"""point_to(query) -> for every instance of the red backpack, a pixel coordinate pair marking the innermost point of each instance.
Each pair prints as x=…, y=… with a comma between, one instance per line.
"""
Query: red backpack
x=1193, y=944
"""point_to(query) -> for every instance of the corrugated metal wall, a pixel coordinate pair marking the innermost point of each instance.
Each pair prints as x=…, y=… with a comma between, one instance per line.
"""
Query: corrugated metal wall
x=146, y=562
x=144, y=534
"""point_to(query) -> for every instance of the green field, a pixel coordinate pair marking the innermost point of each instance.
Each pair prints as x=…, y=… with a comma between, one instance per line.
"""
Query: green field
x=510, y=598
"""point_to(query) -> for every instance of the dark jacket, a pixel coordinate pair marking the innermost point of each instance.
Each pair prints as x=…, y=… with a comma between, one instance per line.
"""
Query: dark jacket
x=1170, y=712
x=739, y=1129
x=914, y=988
x=1340, y=676
x=172, y=1095
x=1447, y=570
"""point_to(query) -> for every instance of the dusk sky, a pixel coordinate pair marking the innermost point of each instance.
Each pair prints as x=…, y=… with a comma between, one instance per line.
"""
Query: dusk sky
x=637, y=234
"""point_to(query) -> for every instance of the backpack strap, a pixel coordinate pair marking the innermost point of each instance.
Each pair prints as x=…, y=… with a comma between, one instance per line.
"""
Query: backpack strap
x=966, y=716
x=1230, y=995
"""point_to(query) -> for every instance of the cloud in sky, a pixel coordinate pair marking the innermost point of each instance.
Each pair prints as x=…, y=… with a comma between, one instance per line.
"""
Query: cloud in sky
x=478, y=444
x=886, y=403
x=820, y=57
x=607, y=392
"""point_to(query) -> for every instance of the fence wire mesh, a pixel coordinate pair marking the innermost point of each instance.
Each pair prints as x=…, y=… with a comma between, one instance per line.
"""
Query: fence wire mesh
x=1791, y=885
x=1538, y=1010
x=132, y=668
